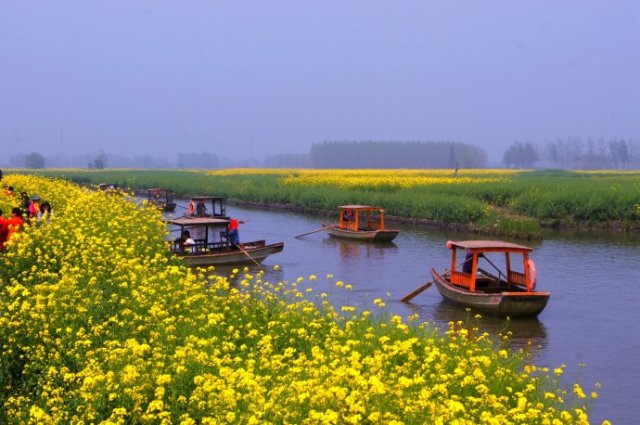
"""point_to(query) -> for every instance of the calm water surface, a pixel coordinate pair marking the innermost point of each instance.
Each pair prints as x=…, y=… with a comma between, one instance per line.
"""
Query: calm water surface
x=591, y=324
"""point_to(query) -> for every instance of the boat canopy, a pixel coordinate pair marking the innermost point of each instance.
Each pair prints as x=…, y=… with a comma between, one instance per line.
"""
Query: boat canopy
x=359, y=207
x=485, y=246
x=198, y=221
x=475, y=248
x=350, y=218
x=197, y=206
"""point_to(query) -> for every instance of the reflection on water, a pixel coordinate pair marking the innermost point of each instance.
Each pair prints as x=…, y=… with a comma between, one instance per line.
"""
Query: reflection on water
x=523, y=332
x=350, y=250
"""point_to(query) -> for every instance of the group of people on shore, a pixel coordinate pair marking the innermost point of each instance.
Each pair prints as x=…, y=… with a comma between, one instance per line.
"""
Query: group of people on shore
x=31, y=209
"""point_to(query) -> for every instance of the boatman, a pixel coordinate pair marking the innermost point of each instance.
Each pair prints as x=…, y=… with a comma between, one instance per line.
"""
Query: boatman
x=232, y=228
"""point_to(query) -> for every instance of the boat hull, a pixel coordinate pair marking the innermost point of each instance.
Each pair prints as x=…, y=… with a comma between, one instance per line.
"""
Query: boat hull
x=512, y=304
x=251, y=253
x=171, y=206
x=386, y=235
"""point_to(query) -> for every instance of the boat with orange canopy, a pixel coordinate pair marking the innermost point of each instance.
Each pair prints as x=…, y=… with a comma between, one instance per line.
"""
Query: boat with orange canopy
x=361, y=222
x=508, y=290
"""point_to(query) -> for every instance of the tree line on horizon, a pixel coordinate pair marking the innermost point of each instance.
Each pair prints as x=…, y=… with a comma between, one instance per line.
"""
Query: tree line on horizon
x=563, y=153
x=389, y=154
x=575, y=153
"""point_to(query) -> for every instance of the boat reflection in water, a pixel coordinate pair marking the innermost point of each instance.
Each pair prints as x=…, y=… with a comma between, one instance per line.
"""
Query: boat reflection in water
x=350, y=249
x=523, y=333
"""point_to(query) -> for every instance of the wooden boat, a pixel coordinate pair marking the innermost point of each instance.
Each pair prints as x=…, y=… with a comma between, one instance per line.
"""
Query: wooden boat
x=207, y=206
x=212, y=245
x=361, y=222
x=161, y=198
x=511, y=293
x=109, y=187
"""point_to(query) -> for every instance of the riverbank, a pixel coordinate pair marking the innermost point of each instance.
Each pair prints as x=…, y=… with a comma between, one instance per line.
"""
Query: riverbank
x=612, y=227
x=513, y=203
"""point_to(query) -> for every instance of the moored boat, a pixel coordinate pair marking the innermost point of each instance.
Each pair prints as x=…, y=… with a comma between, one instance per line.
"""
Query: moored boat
x=512, y=292
x=210, y=244
x=109, y=187
x=161, y=198
x=207, y=206
x=361, y=222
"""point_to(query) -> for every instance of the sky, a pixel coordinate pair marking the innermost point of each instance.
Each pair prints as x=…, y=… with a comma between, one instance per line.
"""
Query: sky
x=245, y=79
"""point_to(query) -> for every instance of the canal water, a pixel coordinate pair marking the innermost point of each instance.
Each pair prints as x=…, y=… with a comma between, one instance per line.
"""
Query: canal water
x=591, y=323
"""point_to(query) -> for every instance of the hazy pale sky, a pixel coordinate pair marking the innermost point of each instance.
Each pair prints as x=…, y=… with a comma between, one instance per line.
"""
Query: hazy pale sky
x=249, y=78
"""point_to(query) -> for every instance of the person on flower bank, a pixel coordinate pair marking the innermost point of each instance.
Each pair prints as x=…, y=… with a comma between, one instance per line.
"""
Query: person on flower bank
x=3, y=232
x=11, y=225
x=45, y=211
x=24, y=200
x=8, y=191
x=33, y=210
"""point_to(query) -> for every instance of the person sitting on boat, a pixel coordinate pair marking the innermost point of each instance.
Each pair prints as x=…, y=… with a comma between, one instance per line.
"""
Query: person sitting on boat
x=467, y=266
x=232, y=228
x=347, y=214
x=185, y=241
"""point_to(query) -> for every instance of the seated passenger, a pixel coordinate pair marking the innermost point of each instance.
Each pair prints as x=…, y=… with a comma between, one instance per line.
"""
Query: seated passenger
x=467, y=266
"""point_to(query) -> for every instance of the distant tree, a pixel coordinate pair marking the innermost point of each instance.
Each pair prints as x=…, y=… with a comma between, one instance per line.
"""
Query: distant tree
x=520, y=154
x=198, y=160
x=99, y=162
x=392, y=154
x=34, y=160
x=287, y=161
x=619, y=151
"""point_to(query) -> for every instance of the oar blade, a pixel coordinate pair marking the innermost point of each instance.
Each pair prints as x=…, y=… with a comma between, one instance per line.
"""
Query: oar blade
x=313, y=231
x=416, y=292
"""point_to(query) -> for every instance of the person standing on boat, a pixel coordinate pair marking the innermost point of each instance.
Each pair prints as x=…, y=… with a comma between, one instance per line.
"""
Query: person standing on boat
x=201, y=209
x=232, y=228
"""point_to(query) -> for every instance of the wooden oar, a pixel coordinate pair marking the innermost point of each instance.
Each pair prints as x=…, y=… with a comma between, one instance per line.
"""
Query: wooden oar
x=324, y=226
x=247, y=254
x=417, y=292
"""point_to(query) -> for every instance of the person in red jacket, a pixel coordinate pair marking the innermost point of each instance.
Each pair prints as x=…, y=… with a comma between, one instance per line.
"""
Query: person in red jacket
x=3, y=231
x=14, y=223
x=232, y=228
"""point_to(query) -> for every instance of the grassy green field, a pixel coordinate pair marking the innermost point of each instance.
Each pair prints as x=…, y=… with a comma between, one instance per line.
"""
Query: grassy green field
x=502, y=202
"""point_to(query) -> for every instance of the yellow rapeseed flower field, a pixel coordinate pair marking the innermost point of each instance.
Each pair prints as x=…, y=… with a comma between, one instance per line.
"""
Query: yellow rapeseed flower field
x=99, y=324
